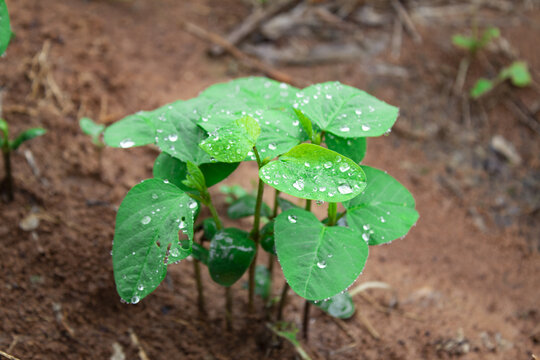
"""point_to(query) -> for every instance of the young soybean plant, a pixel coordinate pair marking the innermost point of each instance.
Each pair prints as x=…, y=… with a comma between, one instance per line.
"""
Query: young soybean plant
x=282, y=129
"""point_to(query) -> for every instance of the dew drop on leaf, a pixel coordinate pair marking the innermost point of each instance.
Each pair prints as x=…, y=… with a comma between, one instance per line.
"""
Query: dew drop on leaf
x=140, y=287
x=145, y=220
x=344, y=167
x=321, y=264
x=154, y=196
x=327, y=165
x=344, y=128
x=292, y=219
x=135, y=299
x=175, y=252
x=272, y=146
x=345, y=189
x=366, y=127
x=365, y=236
x=126, y=143
x=299, y=184
x=173, y=137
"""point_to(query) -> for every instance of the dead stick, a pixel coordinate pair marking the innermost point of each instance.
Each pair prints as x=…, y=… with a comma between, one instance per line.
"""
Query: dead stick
x=135, y=341
x=407, y=22
x=252, y=22
x=371, y=330
x=237, y=53
x=7, y=356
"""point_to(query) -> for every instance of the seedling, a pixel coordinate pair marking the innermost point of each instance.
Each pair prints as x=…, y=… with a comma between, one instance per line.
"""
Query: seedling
x=517, y=73
x=94, y=130
x=283, y=130
x=6, y=186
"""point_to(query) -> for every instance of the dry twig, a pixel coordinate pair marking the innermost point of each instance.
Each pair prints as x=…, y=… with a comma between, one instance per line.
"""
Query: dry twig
x=7, y=356
x=406, y=20
x=135, y=341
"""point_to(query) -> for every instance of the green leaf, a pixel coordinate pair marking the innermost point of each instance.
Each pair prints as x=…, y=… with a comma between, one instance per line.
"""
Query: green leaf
x=245, y=206
x=200, y=253
x=306, y=123
x=175, y=170
x=339, y=306
x=257, y=93
x=232, y=142
x=384, y=211
x=488, y=35
x=285, y=204
x=267, y=238
x=133, y=130
x=231, y=253
x=25, y=136
x=149, y=222
x=5, y=27
x=518, y=73
x=346, y=111
x=194, y=178
x=263, y=281
x=353, y=148
x=209, y=228
x=312, y=172
x=289, y=335
x=91, y=128
x=481, y=87
x=317, y=261
x=465, y=42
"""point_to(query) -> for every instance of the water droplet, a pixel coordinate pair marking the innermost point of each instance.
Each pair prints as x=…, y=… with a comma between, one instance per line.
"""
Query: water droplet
x=173, y=137
x=330, y=255
x=365, y=237
x=306, y=164
x=292, y=219
x=321, y=264
x=192, y=204
x=383, y=220
x=344, y=128
x=175, y=252
x=165, y=181
x=365, y=227
x=322, y=188
x=371, y=108
x=140, y=287
x=358, y=112
x=366, y=127
x=329, y=97
x=272, y=146
x=327, y=164
x=145, y=220
x=135, y=299
x=299, y=184
x=345, y=189
x=344, y=167
x=182, y=225
x=126, y=143
x=154, y=196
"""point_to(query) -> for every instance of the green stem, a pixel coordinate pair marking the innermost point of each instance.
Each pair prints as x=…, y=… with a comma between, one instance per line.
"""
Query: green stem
x=271, y=259
x=305, y=322
x=276, y=204
x=332, y=214
x=282, y=301
x=207, y=200
x=255, y=236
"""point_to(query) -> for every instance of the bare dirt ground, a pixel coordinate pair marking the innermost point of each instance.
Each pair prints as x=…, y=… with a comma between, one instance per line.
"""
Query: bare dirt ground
x=465, y=278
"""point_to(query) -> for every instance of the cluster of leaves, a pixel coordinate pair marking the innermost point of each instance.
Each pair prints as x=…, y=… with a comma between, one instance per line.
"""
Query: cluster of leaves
x=517, y=72
x=257, y=119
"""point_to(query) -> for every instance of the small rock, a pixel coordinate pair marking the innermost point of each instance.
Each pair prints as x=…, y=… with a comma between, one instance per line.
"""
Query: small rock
x=30, y=222
x=118, y=352
x=506, y=149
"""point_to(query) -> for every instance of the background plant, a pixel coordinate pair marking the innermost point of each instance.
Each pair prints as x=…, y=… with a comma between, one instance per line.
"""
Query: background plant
x=517, y=73
x=256, y=119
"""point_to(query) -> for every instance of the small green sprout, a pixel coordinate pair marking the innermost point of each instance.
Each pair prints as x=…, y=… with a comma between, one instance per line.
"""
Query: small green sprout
x=6, y=186
x=92, y=129
x=306, y=143
x=517, y=72
x=476, y=42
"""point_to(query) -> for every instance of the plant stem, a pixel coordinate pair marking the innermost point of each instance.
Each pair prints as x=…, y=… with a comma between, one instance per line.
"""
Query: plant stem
x=332, y=214
x=228, y=308
x=271, y=259
x=255, y=236
x=211, y=207
x=276, y=204
x=200, y=294
x=7, y=184
x=282, y=301
x=305, y=322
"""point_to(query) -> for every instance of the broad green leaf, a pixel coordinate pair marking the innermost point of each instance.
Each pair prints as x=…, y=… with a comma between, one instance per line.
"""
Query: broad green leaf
x=133, y=130
x=194, y=178
x=25, y=136
x=285, y=204
x=5, y=27
x=151, y=224
x=346, y=111
x=353, y=148
x=232, y=143
x=384, y=211
x=338, y=306
x=465, y=42
x=318, y=261
x=175, y=170
x=481, y=87
x=231, y=253
x=200, y=253
x=312, y=172
x=518, y=73
x=263, y=281
x=245, y=206
x=267, y=238
x=257, y=93
x=91, y=128
x=209, y=228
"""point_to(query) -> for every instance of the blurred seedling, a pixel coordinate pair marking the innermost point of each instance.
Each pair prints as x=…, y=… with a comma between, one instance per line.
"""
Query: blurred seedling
x=282, y=129
x=94, y=130
x=6, y=186
x=517, y=73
